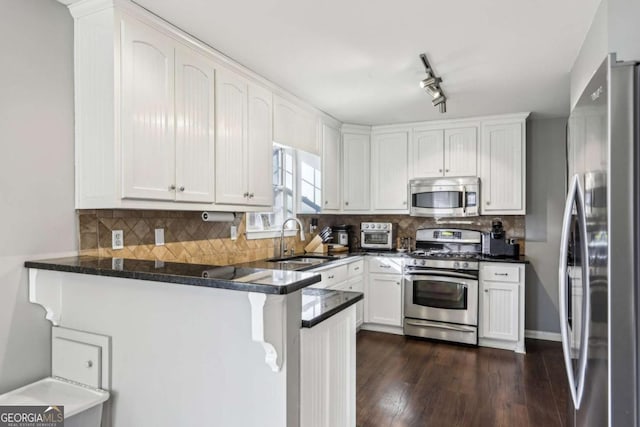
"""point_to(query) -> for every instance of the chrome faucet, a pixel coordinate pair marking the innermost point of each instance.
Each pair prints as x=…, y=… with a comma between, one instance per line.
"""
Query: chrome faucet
x=284, y=223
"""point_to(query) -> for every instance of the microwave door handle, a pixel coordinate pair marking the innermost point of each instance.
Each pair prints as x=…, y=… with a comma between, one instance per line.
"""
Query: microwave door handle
x=464, y=199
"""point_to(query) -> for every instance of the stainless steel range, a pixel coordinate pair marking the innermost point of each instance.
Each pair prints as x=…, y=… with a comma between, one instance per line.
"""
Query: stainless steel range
x=441, y=285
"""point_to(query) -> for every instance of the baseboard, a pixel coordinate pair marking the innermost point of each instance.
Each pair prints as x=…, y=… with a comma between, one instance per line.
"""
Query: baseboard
x=543, y=335
x=397, y=330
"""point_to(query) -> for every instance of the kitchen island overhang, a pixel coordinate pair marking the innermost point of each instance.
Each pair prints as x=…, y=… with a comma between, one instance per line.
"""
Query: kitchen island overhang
x=220, y=353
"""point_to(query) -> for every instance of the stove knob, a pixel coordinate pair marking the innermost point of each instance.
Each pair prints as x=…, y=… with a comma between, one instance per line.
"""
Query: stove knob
x=456, y=264
x=379, y=226
x=423, y=262
x=366, y=226
x=465, y=265
x=384, y=226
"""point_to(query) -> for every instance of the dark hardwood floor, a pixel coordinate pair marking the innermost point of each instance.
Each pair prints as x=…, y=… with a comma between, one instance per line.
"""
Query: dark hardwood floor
x=409, y=382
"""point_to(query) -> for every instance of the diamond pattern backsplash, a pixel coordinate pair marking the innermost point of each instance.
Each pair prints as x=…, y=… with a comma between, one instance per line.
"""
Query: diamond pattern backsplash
x=514, y=225
x=189, y=239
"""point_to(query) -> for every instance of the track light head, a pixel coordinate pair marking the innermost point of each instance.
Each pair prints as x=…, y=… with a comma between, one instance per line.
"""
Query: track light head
x=430, y=81
x=439, y=101
x=431, y=84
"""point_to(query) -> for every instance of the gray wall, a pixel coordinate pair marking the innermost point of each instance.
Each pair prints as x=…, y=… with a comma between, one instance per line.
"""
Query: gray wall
x=546, y=176
x=37, y=216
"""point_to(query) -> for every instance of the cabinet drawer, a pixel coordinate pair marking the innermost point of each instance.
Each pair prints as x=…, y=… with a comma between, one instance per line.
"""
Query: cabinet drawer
x=335, y=275
x=385, y=265
x=500, y=273
x=356, y=268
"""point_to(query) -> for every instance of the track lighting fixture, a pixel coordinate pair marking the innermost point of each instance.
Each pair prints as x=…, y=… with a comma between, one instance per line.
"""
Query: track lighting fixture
x=431, y=84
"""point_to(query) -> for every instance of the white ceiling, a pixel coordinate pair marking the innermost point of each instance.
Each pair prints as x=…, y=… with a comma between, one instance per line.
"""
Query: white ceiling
x=358, y=59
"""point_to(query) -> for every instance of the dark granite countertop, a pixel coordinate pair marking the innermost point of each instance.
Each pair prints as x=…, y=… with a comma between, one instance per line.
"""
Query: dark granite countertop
x=519, y=260
x=321, y=304
x=267, y=281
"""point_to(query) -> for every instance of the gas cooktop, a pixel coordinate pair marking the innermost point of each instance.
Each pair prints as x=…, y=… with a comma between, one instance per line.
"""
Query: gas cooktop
x=444, y=255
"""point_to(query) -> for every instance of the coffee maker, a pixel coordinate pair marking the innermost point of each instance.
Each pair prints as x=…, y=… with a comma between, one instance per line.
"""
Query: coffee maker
x=341, y=235
x=494, y=244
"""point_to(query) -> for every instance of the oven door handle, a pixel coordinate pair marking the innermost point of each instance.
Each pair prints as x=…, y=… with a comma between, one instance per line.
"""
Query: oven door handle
x=447, y=326
x=422, y=274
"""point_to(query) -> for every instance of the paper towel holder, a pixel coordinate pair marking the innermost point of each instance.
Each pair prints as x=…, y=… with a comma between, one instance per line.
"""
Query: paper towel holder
x=218, y=216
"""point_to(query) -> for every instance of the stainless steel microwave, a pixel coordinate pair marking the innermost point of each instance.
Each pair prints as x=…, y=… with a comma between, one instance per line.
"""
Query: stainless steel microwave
x=445, y=197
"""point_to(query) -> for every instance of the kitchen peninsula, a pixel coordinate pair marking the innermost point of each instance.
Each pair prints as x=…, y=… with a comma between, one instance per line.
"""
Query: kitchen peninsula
x=217, y=345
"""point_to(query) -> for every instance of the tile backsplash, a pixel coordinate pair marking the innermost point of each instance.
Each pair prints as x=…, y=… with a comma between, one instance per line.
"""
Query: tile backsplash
x=514, y=225
x=189, y=239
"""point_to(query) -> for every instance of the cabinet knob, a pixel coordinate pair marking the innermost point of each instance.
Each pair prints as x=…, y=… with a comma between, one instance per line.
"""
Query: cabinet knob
x=439, y=170
x=251, y=195
x=404, y=203
x=182, y=188
x=330, y=277
x=488, y=202
x=486, y=290
x=397, y=283
x=446, y=170
x=326, y=202
x=172, y=187
x=346, y=203
x=246, y=194
x=88, y=363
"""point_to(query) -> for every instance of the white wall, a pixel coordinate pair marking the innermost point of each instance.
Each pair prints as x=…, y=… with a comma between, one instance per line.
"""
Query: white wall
x=624, y=29
x=37, y=216
x=546, y=177
x=593, y=51
x=615, y=29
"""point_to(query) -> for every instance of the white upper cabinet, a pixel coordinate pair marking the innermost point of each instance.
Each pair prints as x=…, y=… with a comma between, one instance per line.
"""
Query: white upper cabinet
x=294, y=126
x=330, y=167
x=149, y=111
x=355, y=172
x=148, y=139
x=195, y=126
x=428, y=154
x=503, y=170
x=231, y=136
x=243, y=147
x=259, y=156
x=460, y=152
x=389, y=175
x=449, y=152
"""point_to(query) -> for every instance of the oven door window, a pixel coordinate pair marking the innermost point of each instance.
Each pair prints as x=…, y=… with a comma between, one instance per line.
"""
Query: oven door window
x=376, y=238
x=443, y=199
x=440, y=294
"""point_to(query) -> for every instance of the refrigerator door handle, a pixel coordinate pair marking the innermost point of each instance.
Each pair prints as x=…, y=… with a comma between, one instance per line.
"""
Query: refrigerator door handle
x=576, y=385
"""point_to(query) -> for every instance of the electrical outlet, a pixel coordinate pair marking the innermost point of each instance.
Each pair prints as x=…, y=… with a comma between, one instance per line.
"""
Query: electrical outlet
x=159, y=236
x=117, y=239
x=234, y=232
x=117, y=264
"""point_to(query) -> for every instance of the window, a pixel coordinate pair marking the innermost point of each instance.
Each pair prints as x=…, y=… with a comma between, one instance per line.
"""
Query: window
x=294, y=173
x=310, y=183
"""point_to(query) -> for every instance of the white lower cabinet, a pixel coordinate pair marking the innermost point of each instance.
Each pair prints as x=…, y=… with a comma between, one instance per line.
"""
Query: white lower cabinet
x=383, y=308
x=328, y=372
x=384, y=299
x=501, y=319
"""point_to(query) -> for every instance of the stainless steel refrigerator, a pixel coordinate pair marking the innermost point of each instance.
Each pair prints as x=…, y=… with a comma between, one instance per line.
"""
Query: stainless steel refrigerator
x=598, y=278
